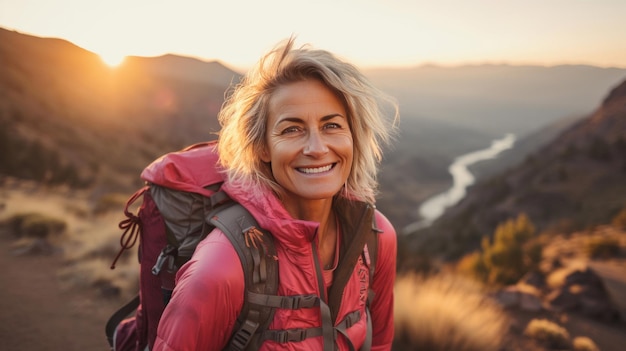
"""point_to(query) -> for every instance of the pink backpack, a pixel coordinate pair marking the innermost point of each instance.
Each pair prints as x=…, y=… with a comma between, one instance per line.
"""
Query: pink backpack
x=182, y=203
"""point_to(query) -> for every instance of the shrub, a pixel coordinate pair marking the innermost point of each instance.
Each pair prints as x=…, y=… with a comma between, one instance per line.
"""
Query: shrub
x=548, y=333
x=473, y=265
x=445, y=312
x=509, y=256
x=34, y=225
x=583, y=343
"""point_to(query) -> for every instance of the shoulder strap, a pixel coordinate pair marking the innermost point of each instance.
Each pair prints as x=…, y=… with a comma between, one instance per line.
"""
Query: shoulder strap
x=117, y=317
x=257, y=253
x=357, y=229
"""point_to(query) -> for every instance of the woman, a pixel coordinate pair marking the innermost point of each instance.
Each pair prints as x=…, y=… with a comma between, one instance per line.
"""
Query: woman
x=300, y=142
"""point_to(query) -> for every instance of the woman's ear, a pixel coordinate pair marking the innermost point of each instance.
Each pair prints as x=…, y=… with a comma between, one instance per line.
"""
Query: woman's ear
x=265, y=155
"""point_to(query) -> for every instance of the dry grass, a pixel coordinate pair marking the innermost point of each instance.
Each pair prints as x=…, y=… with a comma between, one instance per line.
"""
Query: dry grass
x=446, y=312
x=90, y=241
x=548, y=333
x=583, y=343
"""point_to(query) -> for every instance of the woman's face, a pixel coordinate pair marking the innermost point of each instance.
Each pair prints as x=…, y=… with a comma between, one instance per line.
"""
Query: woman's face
x=309, y=142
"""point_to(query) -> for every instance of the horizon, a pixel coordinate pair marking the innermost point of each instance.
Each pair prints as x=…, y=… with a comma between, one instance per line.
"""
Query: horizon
x=447, y=33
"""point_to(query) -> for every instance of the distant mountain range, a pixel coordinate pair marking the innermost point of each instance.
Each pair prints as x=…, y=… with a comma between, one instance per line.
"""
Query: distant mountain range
x=498, y=99
x=574, y=182
x=66, y=117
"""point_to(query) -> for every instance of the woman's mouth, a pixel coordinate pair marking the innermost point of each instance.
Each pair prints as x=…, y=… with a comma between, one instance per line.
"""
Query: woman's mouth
x=315, y=170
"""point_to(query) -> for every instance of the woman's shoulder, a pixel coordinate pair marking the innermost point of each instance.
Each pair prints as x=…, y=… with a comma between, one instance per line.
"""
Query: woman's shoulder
x=215, y=256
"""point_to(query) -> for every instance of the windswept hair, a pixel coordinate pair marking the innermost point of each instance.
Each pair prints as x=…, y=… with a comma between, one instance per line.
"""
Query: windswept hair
x=245, y=114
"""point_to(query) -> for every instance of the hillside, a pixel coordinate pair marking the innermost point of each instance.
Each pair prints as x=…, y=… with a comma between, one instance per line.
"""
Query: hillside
x=522, y=148
x=68, y=118
x=575, y=182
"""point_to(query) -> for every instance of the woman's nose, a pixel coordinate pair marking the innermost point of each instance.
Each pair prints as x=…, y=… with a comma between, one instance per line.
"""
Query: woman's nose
x=315, y=145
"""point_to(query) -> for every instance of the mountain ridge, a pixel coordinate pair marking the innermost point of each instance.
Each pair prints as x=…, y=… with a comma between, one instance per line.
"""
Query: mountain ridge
x=574, y=182
x=66, y=117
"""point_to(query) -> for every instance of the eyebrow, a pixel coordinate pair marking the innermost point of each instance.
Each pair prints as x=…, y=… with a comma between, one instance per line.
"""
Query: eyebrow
x=323, y=119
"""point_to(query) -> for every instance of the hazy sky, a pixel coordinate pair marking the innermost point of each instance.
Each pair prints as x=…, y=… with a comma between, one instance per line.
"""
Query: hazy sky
x=367, y=32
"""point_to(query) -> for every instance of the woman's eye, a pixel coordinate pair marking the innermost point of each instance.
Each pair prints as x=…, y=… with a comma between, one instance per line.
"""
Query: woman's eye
x=291, y=129
x=332, y=126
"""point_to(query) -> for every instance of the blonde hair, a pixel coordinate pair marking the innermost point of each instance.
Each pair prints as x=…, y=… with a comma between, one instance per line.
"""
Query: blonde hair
x=245, y=113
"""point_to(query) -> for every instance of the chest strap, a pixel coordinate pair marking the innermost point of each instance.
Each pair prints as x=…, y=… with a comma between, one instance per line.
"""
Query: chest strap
x=300, y=334
x=294, y=302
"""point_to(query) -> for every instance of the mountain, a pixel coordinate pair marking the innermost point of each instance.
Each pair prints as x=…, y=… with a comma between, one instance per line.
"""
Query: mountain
x=497, y=99
x=65, y=117
x=184, y=68
x=576, y=181
x=523, y=147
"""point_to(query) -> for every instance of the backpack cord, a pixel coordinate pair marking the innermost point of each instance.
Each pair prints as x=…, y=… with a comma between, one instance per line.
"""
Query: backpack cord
x=131, y=226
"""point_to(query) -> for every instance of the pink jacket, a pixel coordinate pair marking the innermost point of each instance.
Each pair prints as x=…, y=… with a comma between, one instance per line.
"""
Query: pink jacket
x=210, y=287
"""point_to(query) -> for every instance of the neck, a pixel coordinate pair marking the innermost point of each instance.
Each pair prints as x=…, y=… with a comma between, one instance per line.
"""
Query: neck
x=320, y=211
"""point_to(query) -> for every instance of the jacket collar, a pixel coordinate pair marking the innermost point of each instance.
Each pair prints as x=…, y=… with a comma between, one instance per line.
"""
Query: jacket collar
x=269, y=211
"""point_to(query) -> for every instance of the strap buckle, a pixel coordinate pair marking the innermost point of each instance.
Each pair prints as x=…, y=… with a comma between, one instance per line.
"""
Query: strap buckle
x=243, y=336
x=297, y=302
x=291, y=335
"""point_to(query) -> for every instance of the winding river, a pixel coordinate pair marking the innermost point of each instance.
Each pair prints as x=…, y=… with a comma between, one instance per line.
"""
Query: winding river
x=434, y=207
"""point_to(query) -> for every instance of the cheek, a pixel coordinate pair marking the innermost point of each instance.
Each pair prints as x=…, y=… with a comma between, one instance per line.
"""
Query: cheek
x=279, y=151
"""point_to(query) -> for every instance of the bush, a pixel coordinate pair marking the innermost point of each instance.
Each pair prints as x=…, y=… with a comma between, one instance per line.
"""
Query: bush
x=445, y=312
x=509, y=256
x=548, y=333
x=583, y=343
x=34, y=225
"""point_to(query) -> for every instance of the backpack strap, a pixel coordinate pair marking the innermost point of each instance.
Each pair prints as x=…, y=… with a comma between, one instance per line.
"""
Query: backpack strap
x=357, y=225
x=360, y=222
x=117, y=317
x=257, y=254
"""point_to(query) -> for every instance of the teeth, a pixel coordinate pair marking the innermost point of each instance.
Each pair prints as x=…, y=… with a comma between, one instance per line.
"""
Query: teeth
x=315, y=170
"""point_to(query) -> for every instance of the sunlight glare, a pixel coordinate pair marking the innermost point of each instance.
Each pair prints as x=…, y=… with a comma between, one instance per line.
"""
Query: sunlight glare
x=112, y=59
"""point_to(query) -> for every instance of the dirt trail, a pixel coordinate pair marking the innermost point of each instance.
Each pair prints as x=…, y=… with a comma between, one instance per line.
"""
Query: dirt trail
x=38, y=313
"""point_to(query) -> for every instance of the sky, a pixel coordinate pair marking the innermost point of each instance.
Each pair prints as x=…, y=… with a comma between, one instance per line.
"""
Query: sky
x=369, y=33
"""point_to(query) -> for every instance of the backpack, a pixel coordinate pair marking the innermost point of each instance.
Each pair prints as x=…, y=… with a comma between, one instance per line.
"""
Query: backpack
x=175, y=215
x=181, y=204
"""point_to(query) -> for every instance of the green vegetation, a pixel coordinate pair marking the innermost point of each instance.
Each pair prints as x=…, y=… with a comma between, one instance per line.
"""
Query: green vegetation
x=511, y=254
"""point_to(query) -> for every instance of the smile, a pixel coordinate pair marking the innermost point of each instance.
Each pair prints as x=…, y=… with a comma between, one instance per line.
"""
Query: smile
x=316, y=170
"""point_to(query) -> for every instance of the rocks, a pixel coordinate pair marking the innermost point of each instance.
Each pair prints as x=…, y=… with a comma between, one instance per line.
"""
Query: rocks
x=576, y=290
x=524, y=297
x=583, y=291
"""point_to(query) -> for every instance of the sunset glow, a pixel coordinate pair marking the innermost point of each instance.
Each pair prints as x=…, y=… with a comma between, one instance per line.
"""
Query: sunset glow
x=366, y=32
x=112, y=59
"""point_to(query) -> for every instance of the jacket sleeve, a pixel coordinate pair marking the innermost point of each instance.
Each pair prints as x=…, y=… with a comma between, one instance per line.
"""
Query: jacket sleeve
x=206, y=300
x=384, y=278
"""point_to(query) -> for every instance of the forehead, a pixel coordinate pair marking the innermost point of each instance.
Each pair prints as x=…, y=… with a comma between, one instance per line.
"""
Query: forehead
x=307, y=96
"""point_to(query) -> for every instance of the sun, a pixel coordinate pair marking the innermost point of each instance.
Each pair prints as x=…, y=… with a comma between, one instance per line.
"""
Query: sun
x=112, y=59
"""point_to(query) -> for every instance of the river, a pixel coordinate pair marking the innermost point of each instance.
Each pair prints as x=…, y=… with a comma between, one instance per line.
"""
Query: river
x=434, y=207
